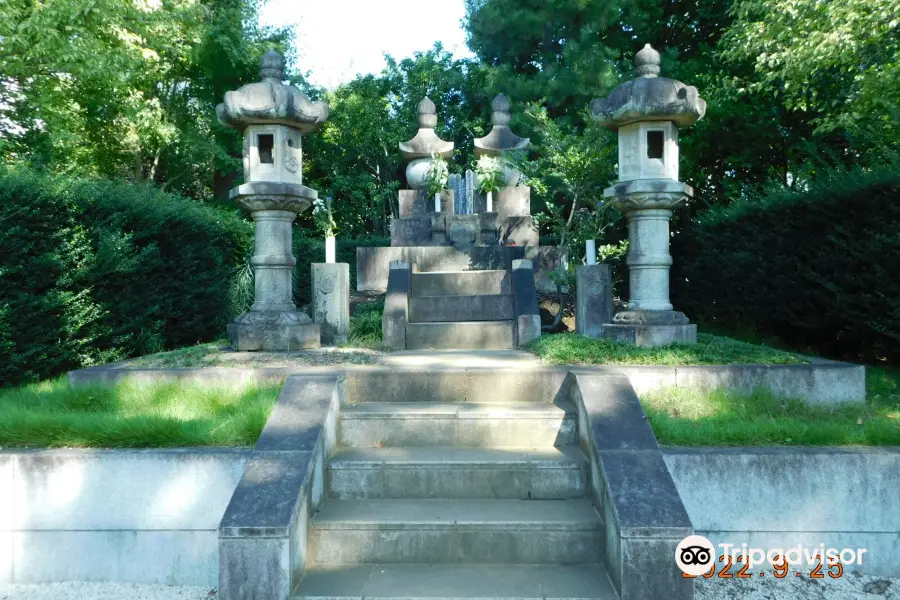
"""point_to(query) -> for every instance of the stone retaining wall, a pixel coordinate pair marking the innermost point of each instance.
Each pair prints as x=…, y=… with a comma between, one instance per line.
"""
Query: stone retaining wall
x=139, y=516
x=781, y=497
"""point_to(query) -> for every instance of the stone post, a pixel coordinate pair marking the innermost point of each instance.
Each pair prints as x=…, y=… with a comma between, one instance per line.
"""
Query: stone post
x=646, y=112
x=273, y=117
x=331, y=300
x=593, y=299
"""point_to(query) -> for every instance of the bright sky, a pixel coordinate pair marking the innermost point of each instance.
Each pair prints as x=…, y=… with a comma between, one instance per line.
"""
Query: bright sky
x=336, y=39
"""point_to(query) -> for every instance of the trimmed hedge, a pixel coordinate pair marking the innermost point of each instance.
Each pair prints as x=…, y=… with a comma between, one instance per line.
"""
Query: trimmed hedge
x=93, y=271
x=818, y=269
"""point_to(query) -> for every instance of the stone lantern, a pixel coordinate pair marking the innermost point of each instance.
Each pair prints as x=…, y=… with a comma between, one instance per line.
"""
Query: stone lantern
x=273, y=117
x=647, y=112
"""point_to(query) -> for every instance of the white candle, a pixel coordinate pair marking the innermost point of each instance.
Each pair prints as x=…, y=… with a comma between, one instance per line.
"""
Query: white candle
x=437, y=202
x=590, y=251
x=490, y=201
x=329, y=249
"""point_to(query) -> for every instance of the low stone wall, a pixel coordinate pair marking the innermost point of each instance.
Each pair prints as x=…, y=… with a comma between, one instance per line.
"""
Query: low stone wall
x=781, y=497
x=137, y=516
x=823, y=382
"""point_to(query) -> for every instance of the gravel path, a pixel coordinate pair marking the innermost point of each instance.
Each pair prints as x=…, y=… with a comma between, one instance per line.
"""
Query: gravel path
x=849, y=587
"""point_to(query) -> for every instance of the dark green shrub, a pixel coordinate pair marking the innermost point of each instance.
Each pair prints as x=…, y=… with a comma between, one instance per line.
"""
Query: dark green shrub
x=819, y=269
x=92, y=271
x=365, y=324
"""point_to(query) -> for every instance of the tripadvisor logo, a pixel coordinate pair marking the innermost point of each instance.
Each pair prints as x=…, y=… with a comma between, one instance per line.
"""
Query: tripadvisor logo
x=694, y=555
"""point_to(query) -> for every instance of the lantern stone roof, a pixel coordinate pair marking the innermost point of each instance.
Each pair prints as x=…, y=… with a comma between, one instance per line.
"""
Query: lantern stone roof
x=649, y=97
x=501, y=138
x=271, y=101
x=426, y=142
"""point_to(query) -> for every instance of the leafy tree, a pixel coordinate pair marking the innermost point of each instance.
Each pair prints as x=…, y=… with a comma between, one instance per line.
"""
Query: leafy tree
x=126, y=90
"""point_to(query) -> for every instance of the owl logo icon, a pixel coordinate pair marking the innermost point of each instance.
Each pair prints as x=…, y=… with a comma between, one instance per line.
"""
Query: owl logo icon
x=694, y=555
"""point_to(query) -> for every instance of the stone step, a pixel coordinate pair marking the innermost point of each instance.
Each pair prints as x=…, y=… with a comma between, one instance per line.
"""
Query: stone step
x=523, y=473
x=483, y=335
x=455, y=531
x=452, y=582
x=460, y=283
x=379, y=424
x=439, y=309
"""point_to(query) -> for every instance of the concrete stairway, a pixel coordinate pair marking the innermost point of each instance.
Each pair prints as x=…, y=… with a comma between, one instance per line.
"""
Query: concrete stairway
x=461, y=309
x=440, y=500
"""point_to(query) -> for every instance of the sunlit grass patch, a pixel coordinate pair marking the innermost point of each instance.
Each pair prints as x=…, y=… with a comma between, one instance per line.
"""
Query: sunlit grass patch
x=688, y=417
x=134, y=415
x=710, y=350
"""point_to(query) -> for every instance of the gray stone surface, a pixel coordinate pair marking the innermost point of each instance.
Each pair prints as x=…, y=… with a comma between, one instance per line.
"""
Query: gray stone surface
x=331, y=300
x=528, y=319
x=488, y=307
x=842, y=497
x=396, y=305
x=372, y=264
x=651, y=335
x=461, y=283
x=526, y=472
x=643, y=516
x=271, y=101
x=263, y=533
x=265, y=332
x=465, y=334
x=145, y=516
x=593, y=299
x=523, y=582
x=649, y=97
x=467, y=425
x=418, y=203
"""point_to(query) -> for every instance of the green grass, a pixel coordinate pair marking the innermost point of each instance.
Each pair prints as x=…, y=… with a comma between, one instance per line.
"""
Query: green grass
x=573, y=349
x=684, y=417
x=131, y=415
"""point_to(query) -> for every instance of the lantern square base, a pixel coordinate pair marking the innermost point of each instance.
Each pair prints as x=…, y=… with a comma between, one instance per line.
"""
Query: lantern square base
x=264, y=335
x=651, y=335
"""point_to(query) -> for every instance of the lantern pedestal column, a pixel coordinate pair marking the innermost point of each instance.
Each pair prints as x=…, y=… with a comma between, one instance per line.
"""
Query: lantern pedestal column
x=650, y=319
x=273, y=323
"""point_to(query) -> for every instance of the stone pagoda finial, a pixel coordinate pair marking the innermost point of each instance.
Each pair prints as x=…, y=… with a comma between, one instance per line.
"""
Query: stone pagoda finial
x=649, y=98
x=426, y=142
x=646, y=62
x=270, y=101
x=501, y=138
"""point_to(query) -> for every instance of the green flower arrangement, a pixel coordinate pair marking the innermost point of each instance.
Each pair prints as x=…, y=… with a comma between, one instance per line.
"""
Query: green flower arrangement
x=324, y=217
x=438, y=175
x=489, y=170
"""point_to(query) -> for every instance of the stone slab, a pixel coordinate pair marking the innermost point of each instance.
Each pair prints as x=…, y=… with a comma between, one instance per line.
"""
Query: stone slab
x=486, y=307
x=461, y=283
x=134, y=556
x=651, y=335
x=457, y=582
x=298, y=421
x=593, y=299
x=372, y=264
x=273, y=338
x=471, y=334
x=142, y=516
x=331, y=301
x=396, y=305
